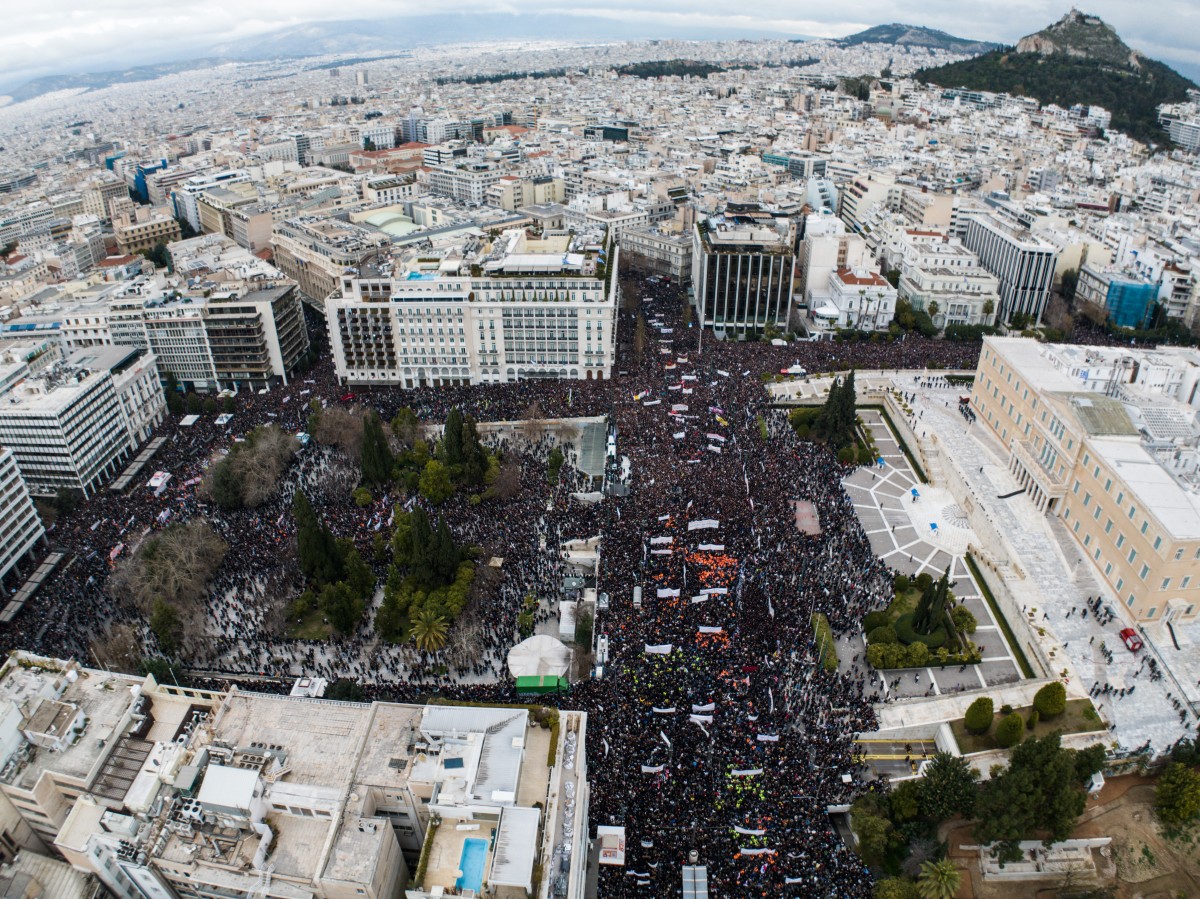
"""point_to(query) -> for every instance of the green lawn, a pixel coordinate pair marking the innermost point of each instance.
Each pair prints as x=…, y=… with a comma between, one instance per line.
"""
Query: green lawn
x=311, y=627
x=1072, y=721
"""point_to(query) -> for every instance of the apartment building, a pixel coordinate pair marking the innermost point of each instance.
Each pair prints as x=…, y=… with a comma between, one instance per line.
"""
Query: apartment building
x=511, y=309
x=314, y=252
x=164, y=792
x=186, y=195
x=20, y=526
x=864, y=191
x=1107, y=440
x=144, y=228
x=1126, y=297
x=1022, y=263
x=465, y=181
x=512, y=193
x=74, y=424
x=742, y=264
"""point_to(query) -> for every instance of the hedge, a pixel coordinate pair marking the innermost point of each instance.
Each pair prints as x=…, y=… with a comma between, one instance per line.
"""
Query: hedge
x=875, y=619
x=904, y=630
x=823, y=634
x=885, y=633
x=980, y=713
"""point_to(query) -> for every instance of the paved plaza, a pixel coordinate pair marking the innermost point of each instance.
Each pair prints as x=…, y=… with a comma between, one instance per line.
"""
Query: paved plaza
x=926, y=534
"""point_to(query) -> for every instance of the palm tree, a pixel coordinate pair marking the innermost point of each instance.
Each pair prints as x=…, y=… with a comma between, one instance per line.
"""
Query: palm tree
x=938, y=880
x=429, y=631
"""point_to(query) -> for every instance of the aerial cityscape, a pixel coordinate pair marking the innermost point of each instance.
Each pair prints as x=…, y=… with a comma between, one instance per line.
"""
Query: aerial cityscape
x=579, y=455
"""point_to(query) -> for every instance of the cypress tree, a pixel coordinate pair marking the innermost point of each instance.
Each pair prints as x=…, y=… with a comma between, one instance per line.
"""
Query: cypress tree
x=452, y=440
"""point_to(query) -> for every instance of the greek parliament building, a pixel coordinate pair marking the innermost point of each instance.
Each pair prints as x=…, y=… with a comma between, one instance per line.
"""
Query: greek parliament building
x=482, y=310
x=742, y=266
x=1107, y=439
x=167, y=792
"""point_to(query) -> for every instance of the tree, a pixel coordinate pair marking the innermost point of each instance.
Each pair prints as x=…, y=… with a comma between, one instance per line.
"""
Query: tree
x=320, y=560
x=159, y=256
x=895, y=888
x=1040, y=792
x=362, y=497
x=377, y=461
x=429, y=631
x=345, y=690
x=340, y=604
x=836, y=422
x=406, y=427
x=1010, y=730
x=980, y=713
x=224, y=486
x=452, y=442
x=1051, y=700
x=554, y=464
x=934, y=308
x=874, y=833
x=938, y=880
x=167, y=627
x=948, y=788
x=1178, y=795
x=989, y=307
x=1070, y=281
x=931, y=608
x=474, y=456
x=435, y=483
x=175, y=565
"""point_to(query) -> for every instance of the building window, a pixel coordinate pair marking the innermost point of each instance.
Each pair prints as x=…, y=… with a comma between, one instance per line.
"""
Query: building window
x=1150, y=612
x=1120, y=583
x=1166, y=584
x=1145, y=571
x=1183, y=585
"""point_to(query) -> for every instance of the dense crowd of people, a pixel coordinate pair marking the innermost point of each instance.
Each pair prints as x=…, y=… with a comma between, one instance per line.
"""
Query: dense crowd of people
x=714, y=727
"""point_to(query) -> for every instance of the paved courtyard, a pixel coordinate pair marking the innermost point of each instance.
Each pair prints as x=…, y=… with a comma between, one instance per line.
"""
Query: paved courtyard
x=926, y=534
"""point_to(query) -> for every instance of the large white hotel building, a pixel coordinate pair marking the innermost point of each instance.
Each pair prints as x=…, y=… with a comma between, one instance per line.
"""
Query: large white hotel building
x=480, y=311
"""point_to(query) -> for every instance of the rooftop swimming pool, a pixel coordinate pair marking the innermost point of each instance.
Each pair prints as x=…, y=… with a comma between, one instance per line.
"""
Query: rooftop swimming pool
x=474, y=854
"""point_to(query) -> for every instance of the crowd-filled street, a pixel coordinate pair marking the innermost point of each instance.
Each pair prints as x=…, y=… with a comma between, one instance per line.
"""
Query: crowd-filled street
x=714, y=728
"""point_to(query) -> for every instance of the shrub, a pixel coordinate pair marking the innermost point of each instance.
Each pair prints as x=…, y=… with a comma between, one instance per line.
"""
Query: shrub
x=963, y=620
x=846, y=455
x=1009, y=731
x=1032, y=721
x=978, y=719
x=1051, y=700
x=901, y=583
x=826, y=645
x=875, y=619
x=362, y=497
x=885, y=633
x=1006, y=709
x=917, y=654
x=865, y=455
x=924, y=581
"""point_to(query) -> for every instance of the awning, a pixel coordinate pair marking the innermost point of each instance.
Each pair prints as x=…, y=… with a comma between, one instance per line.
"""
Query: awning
x=516, y=845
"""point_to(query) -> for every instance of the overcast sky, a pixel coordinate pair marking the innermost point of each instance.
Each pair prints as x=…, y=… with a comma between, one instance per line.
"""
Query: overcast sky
x=49, y=36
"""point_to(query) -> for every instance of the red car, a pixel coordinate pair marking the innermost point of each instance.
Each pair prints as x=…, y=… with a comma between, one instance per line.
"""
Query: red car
x=1131, y=639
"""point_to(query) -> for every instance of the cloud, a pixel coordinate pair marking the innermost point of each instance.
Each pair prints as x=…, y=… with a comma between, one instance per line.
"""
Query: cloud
x=53, y=36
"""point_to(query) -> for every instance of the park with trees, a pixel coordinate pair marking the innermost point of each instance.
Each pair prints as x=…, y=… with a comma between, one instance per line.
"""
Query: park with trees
x=921, y=626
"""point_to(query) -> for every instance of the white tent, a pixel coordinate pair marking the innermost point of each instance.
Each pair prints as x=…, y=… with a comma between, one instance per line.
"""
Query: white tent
x=540, y=655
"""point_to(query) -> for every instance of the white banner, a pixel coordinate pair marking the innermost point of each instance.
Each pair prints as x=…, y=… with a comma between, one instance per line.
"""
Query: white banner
x=679, y=407
x=758, y=852
x=749, y=832
x=703, y=524
x=715, y=591
x=717, y=437
x=665, y=740
x=661, y=649
x=712, y=630
x=714, y=449
x=711, y=547
x=701, y=719
x=658, y=711
x=651, y=402
x=747, y=772
x=652, y=769
x=723, y=374
x=664, y=517
x=667, y=591
x=699, y=599
x=675, y=387
x=660, y=552
x=707, y=707
x=768, y=738
x=679, y=435
x=688, y=378
x=659, y=541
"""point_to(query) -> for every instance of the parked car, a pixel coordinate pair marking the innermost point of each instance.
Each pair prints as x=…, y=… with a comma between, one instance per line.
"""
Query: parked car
x=1131, y=639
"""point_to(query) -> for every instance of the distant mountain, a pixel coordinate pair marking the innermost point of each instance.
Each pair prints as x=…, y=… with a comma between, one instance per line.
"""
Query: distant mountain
x=1079, y=59
x=917, y=36
x=361, y=37
x=96, y=80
